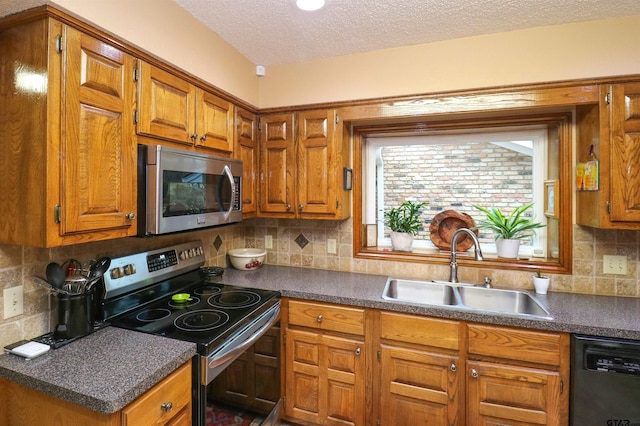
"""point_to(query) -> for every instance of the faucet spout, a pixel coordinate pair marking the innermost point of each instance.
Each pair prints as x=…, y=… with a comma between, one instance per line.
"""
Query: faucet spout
x=453, y=267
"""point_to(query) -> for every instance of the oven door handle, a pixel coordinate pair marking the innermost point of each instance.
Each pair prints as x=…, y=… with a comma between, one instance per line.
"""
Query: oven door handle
x=222, y=358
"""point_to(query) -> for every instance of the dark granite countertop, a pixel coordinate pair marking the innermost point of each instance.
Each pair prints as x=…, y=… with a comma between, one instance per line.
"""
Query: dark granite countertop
x=108, y=369
x=573, y=313
x=103, y=371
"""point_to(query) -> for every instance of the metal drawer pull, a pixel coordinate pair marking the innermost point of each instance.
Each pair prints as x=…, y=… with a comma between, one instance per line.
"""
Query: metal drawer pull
x=166, y=406
x=454, y=367
x=474, y=373
x=319, y=318
x=131, y=216
x=358, y=351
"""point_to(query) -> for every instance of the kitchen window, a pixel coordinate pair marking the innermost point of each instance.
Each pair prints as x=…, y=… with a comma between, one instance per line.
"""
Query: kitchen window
x=449, y=163
x=455, y=172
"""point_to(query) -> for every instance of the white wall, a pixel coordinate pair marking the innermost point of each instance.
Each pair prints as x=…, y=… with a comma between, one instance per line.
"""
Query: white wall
x=562, y=52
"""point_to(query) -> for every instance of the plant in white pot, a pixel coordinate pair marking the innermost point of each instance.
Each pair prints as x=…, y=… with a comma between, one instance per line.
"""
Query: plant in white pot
x=508, y=229
x=404, y=222
x=541, y=283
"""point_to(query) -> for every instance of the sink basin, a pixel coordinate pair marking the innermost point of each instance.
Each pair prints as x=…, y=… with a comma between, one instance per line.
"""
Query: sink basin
x=506, y=301
x=464, y=296
x=422, y=292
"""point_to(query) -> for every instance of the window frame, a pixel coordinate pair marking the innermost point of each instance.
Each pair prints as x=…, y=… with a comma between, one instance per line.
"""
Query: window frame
x=563, y=121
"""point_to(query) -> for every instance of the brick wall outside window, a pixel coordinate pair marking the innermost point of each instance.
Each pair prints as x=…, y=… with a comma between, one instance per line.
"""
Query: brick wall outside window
x=455, y=177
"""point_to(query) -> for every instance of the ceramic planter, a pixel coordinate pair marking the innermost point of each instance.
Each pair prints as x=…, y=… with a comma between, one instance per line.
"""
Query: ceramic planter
x=541, y=284
x=401, y=241
x=508, y=248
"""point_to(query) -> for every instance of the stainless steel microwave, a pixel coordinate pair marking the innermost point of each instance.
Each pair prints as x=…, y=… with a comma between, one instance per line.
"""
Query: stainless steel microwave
x=181, y=190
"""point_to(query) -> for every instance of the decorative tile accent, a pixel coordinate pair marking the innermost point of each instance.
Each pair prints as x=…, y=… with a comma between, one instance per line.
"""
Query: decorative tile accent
x=301, y=240
x=217, y=242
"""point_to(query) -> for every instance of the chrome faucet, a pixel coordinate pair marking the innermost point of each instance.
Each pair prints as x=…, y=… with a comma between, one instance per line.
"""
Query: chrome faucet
x=453, y=271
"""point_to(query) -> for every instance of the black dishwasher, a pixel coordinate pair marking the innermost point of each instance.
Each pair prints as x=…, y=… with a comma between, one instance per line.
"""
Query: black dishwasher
x=605, y=381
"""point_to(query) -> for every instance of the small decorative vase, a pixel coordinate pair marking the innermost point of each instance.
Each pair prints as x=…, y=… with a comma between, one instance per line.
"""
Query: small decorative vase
x=401, y=241
x=541, y=284
x=508, y=248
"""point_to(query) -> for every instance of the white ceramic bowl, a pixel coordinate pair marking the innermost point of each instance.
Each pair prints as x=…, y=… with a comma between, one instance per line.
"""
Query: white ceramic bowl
x=247, y=259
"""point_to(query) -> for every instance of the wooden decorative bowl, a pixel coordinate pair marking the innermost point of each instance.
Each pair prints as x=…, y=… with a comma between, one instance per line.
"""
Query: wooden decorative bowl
x=445, y=224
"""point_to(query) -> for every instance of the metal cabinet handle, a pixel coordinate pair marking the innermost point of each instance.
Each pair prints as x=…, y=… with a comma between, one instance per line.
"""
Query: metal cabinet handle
x=474, y=373
x=166, y=406
x=319, y=318
x=194, y=137
x=288, y=206
x=454, y=367
x=358, y=351
x=300, y=207
x=131, y=216
x=203, y=138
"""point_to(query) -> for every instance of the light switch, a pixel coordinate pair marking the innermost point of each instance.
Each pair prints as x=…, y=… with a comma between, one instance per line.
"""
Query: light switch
x=331, y=246
x=614, y=264
x=13, y=301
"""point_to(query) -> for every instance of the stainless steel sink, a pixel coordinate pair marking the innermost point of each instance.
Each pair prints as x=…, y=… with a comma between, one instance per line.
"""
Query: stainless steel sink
x=422, y=292
x=464, y=296
x=497, y=300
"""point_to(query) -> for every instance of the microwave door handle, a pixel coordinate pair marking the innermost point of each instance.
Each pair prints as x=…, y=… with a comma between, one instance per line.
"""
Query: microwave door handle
x=227, y=171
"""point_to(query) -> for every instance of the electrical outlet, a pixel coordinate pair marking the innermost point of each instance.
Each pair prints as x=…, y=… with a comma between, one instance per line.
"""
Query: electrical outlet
x=13, y=301
x=268, y=242
x=615, y=264
x=331, y=246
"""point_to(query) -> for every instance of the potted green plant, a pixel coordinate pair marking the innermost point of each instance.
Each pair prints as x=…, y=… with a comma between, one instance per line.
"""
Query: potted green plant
x=404, y=222
x=540, y=283
x=508, y=229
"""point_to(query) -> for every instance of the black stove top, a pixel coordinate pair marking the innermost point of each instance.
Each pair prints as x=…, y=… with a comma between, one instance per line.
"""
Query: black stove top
x=140, y=290
x=215, y=312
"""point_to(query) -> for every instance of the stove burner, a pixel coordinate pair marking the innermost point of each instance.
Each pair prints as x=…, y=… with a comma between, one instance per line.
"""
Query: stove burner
x=151, y=315
x=234, y=299
x=194, y=301
x=201, y=320
x=207, y=290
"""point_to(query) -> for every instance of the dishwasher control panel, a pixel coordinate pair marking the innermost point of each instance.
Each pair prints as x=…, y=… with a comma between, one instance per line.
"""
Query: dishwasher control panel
x=612, y=363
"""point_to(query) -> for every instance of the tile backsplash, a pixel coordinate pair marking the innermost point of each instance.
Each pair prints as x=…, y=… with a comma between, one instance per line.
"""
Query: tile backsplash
x=303, y=243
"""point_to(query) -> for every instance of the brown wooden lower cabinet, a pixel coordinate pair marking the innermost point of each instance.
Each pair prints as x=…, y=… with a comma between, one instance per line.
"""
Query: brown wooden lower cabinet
x=24, y=406
x=325, y=381
x=425, y=371
x=507, y=394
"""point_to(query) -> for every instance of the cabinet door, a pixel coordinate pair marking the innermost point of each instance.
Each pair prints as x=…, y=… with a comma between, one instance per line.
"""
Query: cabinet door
x=98, y=146
x=246, y=149
x=325, y=378
x=625, y=152
x=504, y=394
x=277, y=166
x=214, y=124
x=317, y=165
x=166, y=105
x=419, y=388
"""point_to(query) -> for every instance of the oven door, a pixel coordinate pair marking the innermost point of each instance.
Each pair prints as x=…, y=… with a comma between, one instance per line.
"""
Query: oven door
x=187, y=190
x=240, y=384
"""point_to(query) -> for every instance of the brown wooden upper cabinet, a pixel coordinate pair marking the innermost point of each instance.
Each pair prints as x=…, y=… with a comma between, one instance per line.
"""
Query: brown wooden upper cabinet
x=302, y=158
x=69, y=145
x=246, y=149
x=613, y=128
x=173, y=109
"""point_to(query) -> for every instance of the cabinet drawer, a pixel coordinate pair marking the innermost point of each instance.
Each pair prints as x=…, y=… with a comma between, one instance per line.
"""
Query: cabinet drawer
x=147, y=409
x=439, y=333
x=326, y=317
x=523, y=345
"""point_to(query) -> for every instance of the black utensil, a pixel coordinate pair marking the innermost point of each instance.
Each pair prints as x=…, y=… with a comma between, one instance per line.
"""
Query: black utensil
x=97, y=270
x=55, y=275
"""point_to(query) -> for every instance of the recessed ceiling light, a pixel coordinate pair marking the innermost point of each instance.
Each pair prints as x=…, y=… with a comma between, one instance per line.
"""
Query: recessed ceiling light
x=310, y=5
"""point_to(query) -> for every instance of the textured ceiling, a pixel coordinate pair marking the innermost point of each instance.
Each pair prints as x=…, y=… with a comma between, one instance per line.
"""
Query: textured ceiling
x=270, y=32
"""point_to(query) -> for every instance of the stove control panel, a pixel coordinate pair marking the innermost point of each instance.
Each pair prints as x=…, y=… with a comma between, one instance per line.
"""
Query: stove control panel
x=139, y=270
